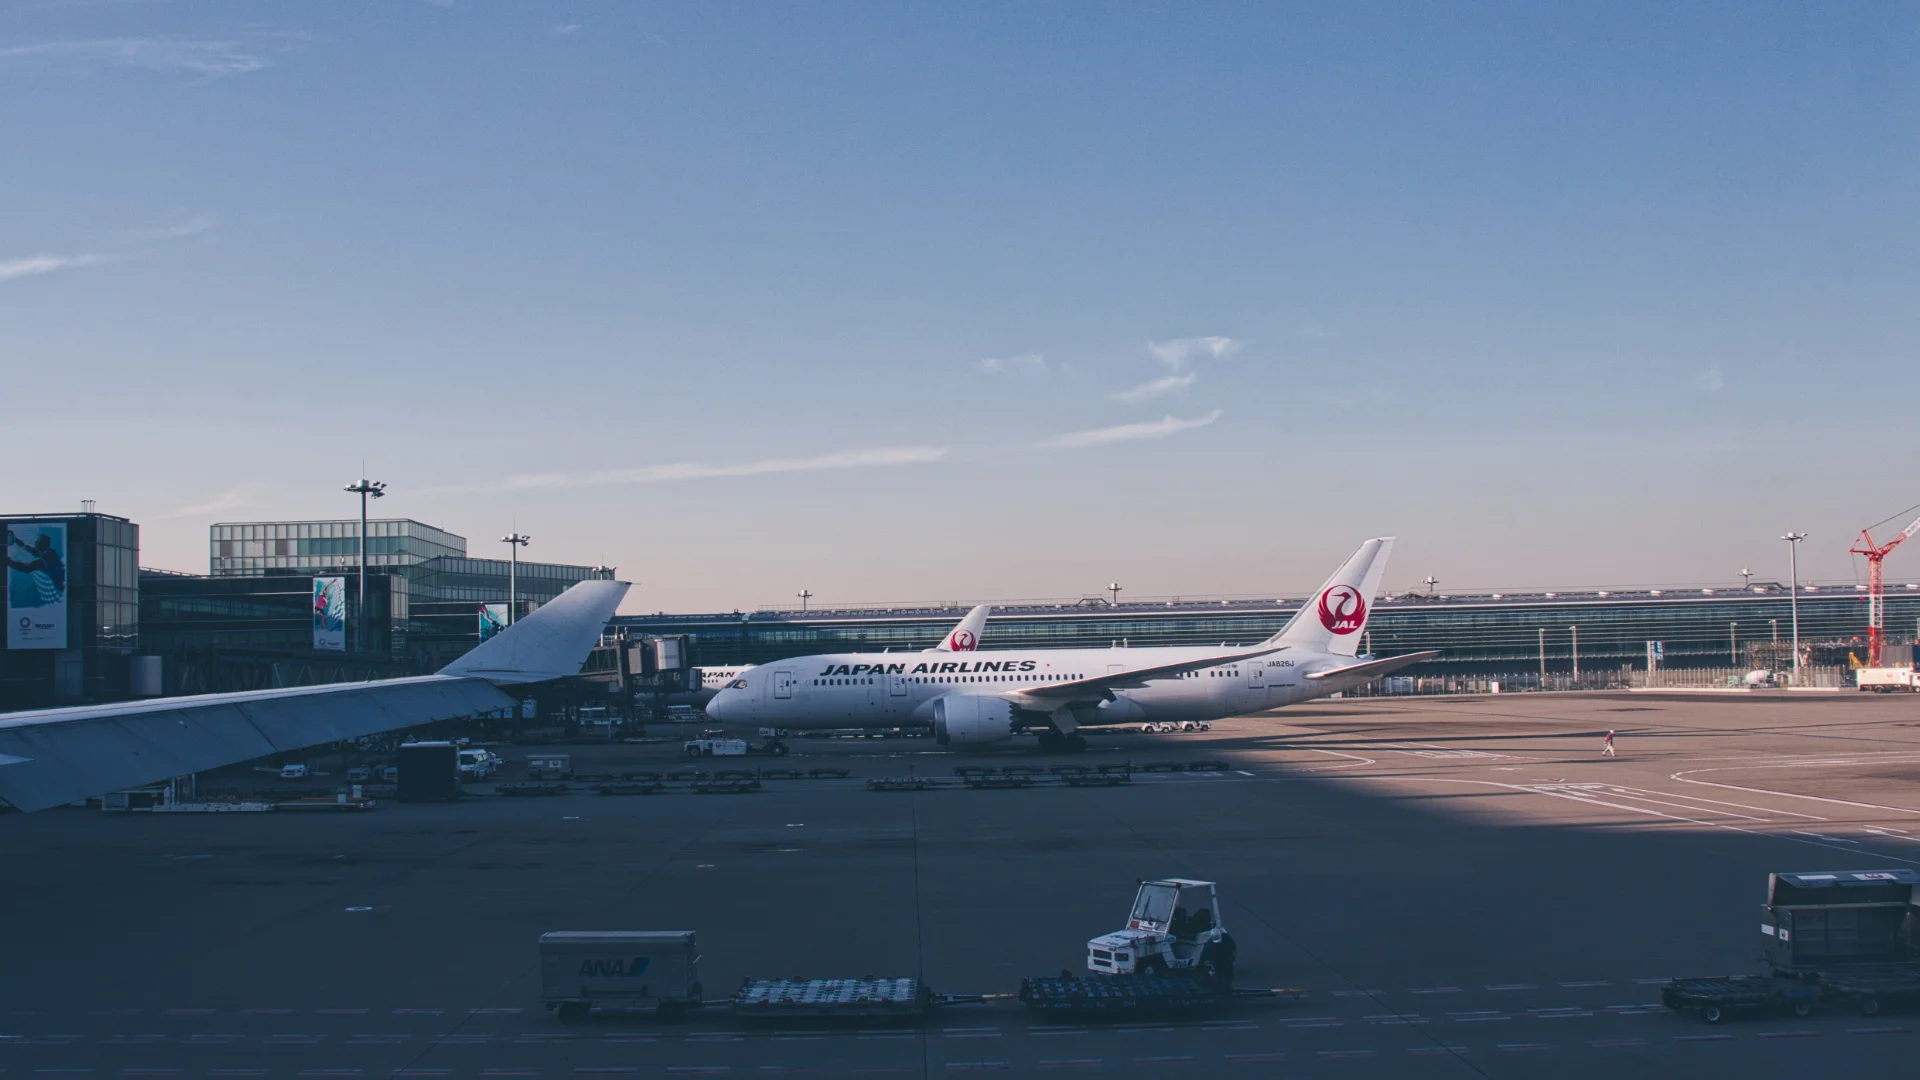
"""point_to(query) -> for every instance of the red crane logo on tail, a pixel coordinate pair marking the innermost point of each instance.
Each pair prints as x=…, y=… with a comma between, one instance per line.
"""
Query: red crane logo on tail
x=963, y=641
x=1342, y=610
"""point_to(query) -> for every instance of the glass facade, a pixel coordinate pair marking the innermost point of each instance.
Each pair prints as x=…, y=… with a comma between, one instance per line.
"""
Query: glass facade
x=1491, y=634
x=102, y=613
x=242, y=549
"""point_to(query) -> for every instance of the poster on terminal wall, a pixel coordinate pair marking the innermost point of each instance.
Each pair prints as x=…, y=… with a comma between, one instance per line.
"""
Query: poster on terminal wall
x=493, y=619
x=37, y=585
x=330, y=614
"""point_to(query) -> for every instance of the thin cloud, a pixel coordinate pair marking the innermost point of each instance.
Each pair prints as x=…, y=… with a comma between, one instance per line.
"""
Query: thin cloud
x=563, y=29
x=1153, y=388
x=1024, y=364
x=1149, y=429
x=35, y=265
x=1711, y=380
x=877, y=458
x=190, y=227
x=1179, y=353
x=207, y=58
x=218, y=504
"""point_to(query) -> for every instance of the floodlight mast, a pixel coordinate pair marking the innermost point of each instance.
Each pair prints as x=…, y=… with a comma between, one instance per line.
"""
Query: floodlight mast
x=366, y=489
x=513, y=573
x=1877, y=585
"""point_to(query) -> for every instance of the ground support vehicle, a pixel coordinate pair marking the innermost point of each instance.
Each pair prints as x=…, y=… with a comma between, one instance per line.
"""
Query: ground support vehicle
x=1870, y=990
x=822, y=999
x=1887, y=680
x=581, y=970
x=1175, y=926
x=1816, y=923
x=1170, y=726
x=721, y=747
x=1718, y=998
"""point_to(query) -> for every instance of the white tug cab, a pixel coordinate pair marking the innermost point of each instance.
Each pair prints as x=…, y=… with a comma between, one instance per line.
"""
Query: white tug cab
x=1175, y=926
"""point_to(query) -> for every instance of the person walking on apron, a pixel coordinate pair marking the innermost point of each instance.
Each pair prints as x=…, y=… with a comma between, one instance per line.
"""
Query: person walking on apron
x=1606, y=750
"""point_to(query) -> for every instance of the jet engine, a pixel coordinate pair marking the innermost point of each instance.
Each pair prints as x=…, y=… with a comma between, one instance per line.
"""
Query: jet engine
x=971, y=720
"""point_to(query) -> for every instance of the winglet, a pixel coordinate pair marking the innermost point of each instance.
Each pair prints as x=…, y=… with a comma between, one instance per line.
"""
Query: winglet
x=551, y=643
x=966, y=636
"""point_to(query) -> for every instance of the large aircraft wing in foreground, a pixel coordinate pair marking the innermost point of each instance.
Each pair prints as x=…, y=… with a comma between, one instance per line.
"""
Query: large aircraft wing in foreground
x=53, y=756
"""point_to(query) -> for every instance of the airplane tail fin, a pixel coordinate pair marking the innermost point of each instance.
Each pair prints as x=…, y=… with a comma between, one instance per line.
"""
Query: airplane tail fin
x=1333, y=619
x=966, y=636
x=551, y=643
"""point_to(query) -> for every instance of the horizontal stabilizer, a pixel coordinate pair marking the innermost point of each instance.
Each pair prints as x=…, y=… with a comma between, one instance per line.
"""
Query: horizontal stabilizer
x=1373, y=669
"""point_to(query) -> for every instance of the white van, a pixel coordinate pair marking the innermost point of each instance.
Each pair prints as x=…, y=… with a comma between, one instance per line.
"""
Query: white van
x=477, y=764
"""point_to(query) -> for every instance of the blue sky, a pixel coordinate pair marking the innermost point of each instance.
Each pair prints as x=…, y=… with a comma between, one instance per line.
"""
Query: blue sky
x=957, y=301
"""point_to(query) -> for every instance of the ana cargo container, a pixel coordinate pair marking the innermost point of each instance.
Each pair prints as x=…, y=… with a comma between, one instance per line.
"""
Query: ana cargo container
x=627, y=969
x=1820, y=921
x=429, y=772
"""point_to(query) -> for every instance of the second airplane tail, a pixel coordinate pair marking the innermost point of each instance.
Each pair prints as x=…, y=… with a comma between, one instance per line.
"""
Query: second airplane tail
x=1333, y=619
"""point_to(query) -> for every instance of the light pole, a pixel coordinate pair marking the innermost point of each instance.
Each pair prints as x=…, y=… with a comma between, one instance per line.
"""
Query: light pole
x=1430, y=581
x=1793, y=567
x=605, y=573
x=1576, y=652
x=1748, y=576
x=366, y=489
x=805, y=595
x=1733, y=644
x=513, y=573
x=1543, y=658
x=1114, y=588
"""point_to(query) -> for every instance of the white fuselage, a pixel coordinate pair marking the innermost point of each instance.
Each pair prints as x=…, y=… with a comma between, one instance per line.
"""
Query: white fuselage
x=841, y=690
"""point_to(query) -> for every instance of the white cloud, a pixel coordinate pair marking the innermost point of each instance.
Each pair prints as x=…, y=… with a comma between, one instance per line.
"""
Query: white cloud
x=1024, y=364
x=219, y=503
x=1153, y=388
x=879, y=457
x=34, y=265
x=564, y=29
x=1178, y=353
x=209, y=58
x=1149, y=429
x=1711, y=380
x=190, y=227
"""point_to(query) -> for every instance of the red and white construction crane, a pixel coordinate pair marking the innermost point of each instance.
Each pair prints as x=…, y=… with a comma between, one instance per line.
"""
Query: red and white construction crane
x=1877, y=585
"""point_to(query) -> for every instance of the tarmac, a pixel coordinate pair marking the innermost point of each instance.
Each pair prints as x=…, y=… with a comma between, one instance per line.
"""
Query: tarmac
x=1463, y=886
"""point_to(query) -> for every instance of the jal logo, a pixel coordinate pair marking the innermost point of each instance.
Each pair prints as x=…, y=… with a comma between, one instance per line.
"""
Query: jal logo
x=613, y=969
x=1342, y=610
x=963, y=641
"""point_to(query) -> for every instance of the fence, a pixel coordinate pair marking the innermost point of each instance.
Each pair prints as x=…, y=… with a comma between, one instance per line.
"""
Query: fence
x=1829, y=677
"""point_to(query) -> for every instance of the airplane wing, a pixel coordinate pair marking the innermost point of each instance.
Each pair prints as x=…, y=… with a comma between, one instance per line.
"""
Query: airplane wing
x=49, y=757
x=1101, y=687
x=1373, y=669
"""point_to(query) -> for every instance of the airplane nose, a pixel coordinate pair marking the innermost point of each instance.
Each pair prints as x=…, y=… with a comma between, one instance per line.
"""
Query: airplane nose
x=722, y=701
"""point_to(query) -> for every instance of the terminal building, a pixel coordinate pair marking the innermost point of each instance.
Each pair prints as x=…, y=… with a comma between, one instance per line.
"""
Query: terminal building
x=103, y=628
x=1531, y=639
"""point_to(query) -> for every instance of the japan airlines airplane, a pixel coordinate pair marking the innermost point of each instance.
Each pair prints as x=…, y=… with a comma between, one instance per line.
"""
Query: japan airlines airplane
x=53, y=756
x=964, y=637
x=1058, y=691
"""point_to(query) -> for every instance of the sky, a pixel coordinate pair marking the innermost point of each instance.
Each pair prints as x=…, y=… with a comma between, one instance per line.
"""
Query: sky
x=975, y=301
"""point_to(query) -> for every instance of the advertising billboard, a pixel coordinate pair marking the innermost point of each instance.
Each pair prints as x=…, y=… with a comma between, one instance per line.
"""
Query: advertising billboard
x=493, y=619
x=37, y=585
x=330, y=614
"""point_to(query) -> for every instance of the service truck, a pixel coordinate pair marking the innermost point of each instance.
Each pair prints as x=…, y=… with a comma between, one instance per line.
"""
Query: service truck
x=1886, y=680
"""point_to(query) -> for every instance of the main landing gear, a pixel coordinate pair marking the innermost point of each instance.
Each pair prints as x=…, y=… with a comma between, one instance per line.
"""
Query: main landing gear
x=1054, y=742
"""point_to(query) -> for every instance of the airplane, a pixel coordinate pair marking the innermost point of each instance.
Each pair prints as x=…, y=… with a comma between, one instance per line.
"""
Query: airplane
x=51, y=757
x=964, y=637
x=1060, y=691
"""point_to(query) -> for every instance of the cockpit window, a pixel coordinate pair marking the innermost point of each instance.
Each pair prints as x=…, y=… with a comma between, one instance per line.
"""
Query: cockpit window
x=737, y=684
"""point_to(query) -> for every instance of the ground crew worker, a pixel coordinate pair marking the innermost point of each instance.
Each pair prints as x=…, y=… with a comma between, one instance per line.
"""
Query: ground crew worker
x=1607, y=749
